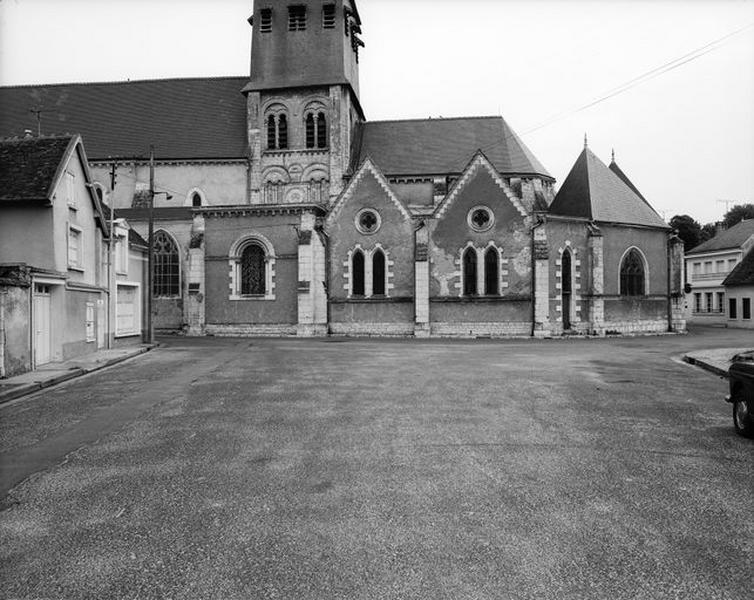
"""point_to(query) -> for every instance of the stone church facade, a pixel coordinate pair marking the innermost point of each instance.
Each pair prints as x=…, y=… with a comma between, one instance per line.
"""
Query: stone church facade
x=281, y=210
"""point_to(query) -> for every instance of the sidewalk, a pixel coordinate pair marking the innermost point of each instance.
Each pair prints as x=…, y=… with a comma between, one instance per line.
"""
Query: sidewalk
x=54, y=373
x=716, y=360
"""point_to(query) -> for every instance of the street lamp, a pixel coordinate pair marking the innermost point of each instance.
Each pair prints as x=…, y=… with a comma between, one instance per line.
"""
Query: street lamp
x=150, y=259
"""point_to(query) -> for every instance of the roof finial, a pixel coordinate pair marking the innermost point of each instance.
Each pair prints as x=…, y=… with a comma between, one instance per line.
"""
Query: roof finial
x=585, y=142
x=613, y=154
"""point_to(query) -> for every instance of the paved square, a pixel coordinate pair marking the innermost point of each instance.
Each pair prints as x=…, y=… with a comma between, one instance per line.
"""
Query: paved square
x=385, y=469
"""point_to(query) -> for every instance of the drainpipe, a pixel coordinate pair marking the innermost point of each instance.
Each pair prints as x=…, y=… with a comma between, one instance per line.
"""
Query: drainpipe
x=668, y=249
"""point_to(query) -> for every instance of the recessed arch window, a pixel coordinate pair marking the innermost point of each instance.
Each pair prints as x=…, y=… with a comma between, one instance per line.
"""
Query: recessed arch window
x=252, y=262
x=196, y=200
x=253, y=279
x=357, y=273
x=469, y=272
x=316, y=129
x=491, y=272
x=277, y=131
x=166, y=268
x=632, y=274
x=378, y=273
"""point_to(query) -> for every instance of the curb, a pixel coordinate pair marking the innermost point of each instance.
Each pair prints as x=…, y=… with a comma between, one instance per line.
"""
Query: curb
x=30, y=388
x=706, y=366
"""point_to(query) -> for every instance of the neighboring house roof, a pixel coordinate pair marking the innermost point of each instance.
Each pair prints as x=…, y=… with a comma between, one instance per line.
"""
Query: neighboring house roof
x=183, y=118
x=733, y=238
x=134, y=239
x=593, y=191
x=444, y=146
x=31, y=169
x=743, y=272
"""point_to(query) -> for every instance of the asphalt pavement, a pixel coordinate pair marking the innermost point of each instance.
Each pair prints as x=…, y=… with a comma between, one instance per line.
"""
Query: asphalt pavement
x=383, y=469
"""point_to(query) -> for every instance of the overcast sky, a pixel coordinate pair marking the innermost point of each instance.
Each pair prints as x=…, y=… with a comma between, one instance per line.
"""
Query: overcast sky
x=685, y=136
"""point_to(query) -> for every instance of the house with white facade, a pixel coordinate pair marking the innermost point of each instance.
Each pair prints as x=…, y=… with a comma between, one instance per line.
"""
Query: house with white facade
x=707, y=267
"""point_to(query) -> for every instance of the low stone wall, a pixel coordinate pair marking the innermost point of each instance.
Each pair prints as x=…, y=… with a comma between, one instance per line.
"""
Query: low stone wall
x=250, y=330
x=491, y=329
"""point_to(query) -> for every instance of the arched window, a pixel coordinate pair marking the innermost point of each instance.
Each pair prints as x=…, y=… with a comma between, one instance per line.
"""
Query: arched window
x=469, y=272
x=632, y=274
x=310, y=133
x=253, y=279
x=357, y=273
x=166, y=269
x=321, y=131
x=491, y=272
x=378, y=273
x=282, y=132
x=272, y=142
x=196, y=200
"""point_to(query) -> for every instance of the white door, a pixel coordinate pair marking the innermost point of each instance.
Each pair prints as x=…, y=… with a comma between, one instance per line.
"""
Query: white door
x=41, y=324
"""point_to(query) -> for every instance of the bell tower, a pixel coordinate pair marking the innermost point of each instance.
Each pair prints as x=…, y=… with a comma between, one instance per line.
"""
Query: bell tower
x=302, y=99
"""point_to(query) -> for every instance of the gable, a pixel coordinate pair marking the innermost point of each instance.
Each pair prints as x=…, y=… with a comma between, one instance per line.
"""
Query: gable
x=367, y=188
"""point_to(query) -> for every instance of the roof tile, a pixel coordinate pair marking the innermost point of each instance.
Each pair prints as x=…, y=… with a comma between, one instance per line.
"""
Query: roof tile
x=28, y=167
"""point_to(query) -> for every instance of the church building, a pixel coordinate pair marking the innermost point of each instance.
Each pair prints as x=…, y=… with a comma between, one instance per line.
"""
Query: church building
x=280, y=209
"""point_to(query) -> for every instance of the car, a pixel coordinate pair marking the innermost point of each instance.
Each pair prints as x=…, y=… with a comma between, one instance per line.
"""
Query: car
x=741, y=381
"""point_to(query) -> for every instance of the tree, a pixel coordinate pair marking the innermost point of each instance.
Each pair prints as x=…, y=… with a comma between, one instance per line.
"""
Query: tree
x=688, y=230
x=709, y=231
x=737, y=213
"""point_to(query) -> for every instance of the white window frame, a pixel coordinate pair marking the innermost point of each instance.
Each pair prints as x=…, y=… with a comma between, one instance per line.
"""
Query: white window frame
x=79, y=233
x=136, y=330
x=70, y=190
x=234, y=262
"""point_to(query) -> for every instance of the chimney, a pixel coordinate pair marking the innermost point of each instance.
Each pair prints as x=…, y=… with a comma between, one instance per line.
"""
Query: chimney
x=28, y=134
x=719, y=227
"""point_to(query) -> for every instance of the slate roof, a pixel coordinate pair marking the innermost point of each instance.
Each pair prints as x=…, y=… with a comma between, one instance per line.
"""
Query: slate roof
x=29, y=167
x=593, y=191
x=184, y=118
x=444, y=146
x=743, y=272
x=734, y=237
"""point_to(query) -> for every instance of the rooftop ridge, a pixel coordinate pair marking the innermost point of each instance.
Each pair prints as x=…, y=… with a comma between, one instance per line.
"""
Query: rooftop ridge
x=427, y=119
x=122, y=82
x=32, y=138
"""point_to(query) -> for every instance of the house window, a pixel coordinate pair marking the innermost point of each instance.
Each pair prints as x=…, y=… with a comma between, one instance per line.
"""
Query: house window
x=491, y=272
x=746, y=308
x=708, y=302
x=721, y=302
x=165, y=267
x=265, y=24
x=708, y=266
x=90, y=333
x=697, y=268
x=357, y=273
x=732, y=308
x=297, y=18
x=316, y=130
x=127, y=315
x=720, y=266
x=253, y=271
x=74, y=248
x=70, y=190
x=328, y=16
x=697, y=302
x=632, y=274
x=731, y=264
x=469, y=272
x=378, y=273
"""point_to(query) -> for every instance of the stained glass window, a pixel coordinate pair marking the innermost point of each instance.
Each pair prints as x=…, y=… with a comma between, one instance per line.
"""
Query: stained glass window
x=166, y=267
x=632, y=275
x=357, y=273
x=253, y=280
x=378, y=273
x=491, y=272
x=469, y=272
